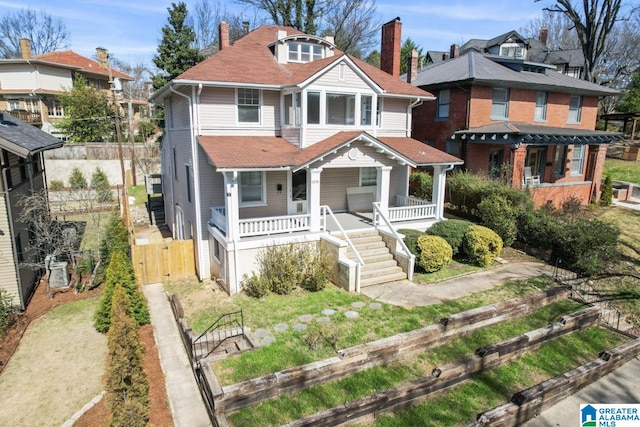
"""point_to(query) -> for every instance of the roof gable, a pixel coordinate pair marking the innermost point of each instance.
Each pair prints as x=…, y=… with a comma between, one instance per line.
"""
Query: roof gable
x=23, y=139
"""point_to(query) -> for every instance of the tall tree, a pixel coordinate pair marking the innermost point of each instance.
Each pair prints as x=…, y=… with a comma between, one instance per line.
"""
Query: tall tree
x=561, y=32
x=45, y=32
x=177, y=51
x=206, y=18
x=593, y=21
x=631, y=97
x=88, y=117
x=405, y=53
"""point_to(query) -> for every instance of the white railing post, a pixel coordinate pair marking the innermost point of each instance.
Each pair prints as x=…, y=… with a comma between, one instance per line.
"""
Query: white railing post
x=383, y=188
x=314, y=201
x=232, y=206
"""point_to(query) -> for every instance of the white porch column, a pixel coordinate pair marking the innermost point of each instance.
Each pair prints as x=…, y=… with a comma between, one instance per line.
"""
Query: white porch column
x=383, y=188
x=231, y=204
x=314, y=200
x=439, y=180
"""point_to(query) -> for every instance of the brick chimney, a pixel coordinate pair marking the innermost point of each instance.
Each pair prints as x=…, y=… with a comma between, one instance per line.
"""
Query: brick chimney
x=223, y=35
x=412, y=66
x=25, y=48
x=454, y=51
x=544, y=35
x=102, y=57
x=390, y=49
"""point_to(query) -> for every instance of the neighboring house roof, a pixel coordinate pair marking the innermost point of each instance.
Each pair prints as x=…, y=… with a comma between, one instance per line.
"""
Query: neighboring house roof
x=268, y=152
x=70, y=58
x=30, y=91
x=571, y=57
x=508, y=132
x=473, y=67
x=435, y=56
x=23, y=139
x=250, y=61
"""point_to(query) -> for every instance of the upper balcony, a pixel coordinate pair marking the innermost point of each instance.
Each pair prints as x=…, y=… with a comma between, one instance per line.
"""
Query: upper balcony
x=31, y=117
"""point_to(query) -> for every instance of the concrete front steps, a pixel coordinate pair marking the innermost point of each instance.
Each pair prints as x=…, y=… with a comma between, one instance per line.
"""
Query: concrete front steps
x=379, y=265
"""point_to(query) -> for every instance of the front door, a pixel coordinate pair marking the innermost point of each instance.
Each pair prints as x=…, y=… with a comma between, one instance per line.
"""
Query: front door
x=298, y=189
x=536, y=158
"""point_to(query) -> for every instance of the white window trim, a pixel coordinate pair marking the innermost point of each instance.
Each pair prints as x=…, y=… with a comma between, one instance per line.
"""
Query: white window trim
x=508, y=96
x=579, y=111
x=260, y=102
x=582, y=149
x=362, y=176
x=299, y=52
x=262, y=202
x=544, y=111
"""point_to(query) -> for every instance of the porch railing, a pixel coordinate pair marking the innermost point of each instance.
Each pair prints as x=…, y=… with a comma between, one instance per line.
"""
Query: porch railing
x=410, y=208
x=379, y=215
x=274, y=224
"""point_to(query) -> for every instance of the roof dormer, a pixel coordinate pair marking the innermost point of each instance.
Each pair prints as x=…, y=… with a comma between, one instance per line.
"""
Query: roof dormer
x=302, y=48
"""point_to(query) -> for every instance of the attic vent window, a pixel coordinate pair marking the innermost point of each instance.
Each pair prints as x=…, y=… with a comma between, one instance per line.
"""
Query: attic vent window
x=7, y=123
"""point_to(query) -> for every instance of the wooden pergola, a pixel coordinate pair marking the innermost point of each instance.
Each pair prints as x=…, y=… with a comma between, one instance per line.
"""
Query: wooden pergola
x=625, y=118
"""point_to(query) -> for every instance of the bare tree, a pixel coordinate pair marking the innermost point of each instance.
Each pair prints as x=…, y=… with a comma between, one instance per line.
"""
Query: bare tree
x=593, y=21
x=138, y=88
x=561, y=32
x=45, y=32
x=353, y=23
x=206, y=18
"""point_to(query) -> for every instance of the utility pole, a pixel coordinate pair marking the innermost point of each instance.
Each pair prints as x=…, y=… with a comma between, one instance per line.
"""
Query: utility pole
x=132, y=141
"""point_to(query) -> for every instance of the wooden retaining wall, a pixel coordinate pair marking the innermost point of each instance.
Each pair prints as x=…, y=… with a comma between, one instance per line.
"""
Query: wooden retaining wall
x=161, y=262
x=451, y=374
x=531, y=402
x=364, y=356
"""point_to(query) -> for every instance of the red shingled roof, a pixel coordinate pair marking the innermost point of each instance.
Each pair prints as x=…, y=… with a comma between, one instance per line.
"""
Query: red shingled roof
x=250, y=60
x=69, y=57
x=236, y=152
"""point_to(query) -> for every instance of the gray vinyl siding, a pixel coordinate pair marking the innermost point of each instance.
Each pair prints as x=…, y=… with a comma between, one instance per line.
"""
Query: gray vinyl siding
x=292, y=135
x=333, y=187
x=398, y=182
x=332, y=78
x=179, y=110
x=8, y=272
x=367, y=157
x=276, y=202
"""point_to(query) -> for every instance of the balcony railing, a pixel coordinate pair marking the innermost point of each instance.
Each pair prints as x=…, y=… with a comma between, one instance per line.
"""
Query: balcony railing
x=27, y=116
x=410, y=208
x=218, y=218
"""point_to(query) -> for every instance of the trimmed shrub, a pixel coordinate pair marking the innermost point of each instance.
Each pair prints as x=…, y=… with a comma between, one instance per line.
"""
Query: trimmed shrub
x=435, y=253
x=56, y=185
x=115, y=238
x=120, y=273
x=499, y=215
x=586, y=246
x=538, y=229
x=255, y=286
x=606, y=196
x=100, y=183
x=452, y=231
x=411, y=239
x=421, y=184
x=126, y=383
x=77, y=181
x=482, y=245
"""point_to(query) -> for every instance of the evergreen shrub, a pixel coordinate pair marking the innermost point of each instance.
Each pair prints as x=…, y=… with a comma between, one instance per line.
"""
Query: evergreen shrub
x=482, y=245
x=435, y=253
x=452, y=231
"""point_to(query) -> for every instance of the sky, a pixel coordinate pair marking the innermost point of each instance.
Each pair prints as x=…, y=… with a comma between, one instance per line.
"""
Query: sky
x=131, y=30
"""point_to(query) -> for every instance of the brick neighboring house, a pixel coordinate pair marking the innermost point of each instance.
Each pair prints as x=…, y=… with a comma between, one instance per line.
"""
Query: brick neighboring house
x=31, y=85
x=494, y=111
x=270, y=135
x=22, y=174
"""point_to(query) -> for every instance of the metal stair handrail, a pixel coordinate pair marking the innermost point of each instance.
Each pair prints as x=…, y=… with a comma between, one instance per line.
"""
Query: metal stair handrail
x=377, y=212
x=214, y=331
x=344, y=233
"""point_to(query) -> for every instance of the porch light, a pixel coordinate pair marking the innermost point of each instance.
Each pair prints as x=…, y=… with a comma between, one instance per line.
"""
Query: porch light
x=279, y=188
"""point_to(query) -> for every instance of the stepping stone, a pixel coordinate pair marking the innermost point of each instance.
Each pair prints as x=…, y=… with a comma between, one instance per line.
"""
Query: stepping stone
x=261, y=333
x=375, y=306
x=323, y=320
x=268, y=340
x=305, y=318
x=328, y=312
x=281, y=327
x=358, y=304
x=299, y=327
x=352, y=314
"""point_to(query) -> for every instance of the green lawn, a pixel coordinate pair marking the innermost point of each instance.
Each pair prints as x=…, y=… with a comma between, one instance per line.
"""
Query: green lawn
x=292, y=348
x=454, y=269
x=622, y=170
x=139, y=192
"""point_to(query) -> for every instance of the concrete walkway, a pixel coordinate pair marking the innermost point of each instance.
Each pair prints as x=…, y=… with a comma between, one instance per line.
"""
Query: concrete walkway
x=186, y=403
x=620, y=386
x=408, y=294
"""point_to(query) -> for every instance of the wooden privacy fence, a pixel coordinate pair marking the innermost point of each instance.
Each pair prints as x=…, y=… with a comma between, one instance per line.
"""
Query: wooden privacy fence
x=161, y=262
